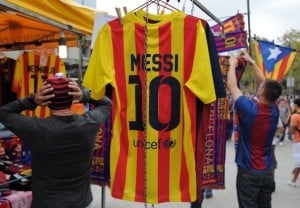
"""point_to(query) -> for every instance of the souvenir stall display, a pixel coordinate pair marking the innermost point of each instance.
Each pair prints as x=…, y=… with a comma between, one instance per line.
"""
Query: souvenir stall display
x=142, y=62
x=151, y=80
x=166, y=75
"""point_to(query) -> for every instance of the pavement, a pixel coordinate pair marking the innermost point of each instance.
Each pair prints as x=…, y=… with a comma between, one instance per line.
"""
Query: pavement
x=284, y=197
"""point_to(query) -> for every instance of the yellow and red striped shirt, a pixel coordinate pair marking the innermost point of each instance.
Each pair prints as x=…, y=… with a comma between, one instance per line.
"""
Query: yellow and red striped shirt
x=178, y=71
x=31, y=70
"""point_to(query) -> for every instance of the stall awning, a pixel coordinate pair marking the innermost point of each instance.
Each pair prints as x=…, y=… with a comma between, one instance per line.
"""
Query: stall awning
x=41, y=21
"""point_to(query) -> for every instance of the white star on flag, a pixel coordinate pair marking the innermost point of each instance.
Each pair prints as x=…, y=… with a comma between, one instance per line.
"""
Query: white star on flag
x=274, y=52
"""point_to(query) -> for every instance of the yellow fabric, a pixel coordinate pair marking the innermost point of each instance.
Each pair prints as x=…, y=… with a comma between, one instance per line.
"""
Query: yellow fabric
x=19, y=27
x=63, y=11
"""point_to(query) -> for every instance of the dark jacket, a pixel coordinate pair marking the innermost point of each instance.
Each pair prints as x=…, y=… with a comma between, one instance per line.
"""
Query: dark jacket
x=61, y=151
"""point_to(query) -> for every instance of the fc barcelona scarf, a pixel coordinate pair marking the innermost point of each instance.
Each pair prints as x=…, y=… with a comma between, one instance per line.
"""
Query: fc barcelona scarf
x=211, y=144
x=100, y=162
x=233, y=38
x=231, y=43
x=231, y=24
x=224, y=63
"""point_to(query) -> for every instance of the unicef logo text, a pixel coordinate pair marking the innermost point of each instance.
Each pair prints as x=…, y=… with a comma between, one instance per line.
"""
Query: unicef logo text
x=161, y=143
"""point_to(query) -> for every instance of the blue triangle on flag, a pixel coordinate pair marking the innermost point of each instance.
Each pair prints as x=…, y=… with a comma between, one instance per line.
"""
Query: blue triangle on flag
x=272, y=53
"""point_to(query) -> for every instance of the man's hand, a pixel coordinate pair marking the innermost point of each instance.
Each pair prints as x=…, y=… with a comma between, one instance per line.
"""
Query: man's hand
x=76, y=91
x=44, y=94
x=256, y=70
x=233, y=62
x=244, y=55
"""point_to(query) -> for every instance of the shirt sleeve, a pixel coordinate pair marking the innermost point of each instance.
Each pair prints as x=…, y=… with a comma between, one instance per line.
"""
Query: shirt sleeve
x=201, y=80
x=100, y=70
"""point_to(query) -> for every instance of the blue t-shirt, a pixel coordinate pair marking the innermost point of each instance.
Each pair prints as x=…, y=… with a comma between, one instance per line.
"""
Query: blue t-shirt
x=258, y=123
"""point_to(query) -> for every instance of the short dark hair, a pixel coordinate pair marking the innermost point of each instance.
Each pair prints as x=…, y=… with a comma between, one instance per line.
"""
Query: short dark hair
x=297, y=101
x=273, y=90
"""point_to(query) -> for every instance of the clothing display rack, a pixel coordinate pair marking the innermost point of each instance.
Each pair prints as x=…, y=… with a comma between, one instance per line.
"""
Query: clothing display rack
x=207, y=12
x=159, y=3
x=78, y=35
x=36, y=43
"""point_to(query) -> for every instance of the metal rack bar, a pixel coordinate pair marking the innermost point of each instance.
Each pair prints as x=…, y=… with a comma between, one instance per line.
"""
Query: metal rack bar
x=209, y=13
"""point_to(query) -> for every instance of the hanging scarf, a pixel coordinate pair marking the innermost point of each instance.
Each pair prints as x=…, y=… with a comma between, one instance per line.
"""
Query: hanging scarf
x=100, y=162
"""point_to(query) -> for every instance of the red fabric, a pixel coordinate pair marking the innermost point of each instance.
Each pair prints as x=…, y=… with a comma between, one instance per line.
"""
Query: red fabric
x=4, y=203
x=2, y=177
x=13, y=141
x=20, y=199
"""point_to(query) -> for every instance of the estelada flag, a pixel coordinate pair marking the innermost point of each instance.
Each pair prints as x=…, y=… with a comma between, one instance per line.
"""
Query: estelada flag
x=273, y=60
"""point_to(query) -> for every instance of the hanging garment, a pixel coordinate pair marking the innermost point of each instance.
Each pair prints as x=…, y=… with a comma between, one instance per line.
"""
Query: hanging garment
x=178, y=72
x=231, y=24
x=7, y=66
x=211, y=145
x=234, y=37
x=31, y=70
x=212, y=123
x=100, y=161
x=214, y=117
x=232, y=43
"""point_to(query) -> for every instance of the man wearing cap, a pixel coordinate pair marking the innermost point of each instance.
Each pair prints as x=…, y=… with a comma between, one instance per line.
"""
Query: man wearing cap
x=61, y=145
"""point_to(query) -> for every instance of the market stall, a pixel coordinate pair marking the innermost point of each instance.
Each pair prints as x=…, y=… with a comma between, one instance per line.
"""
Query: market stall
x=25, y=24
x=33, y=25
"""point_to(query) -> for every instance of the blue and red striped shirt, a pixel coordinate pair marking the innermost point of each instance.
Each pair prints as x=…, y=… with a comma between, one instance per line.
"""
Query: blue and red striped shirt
x=258, y=124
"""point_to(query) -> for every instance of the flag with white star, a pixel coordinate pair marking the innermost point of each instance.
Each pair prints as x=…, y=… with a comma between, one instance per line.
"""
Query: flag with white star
x=272, y=59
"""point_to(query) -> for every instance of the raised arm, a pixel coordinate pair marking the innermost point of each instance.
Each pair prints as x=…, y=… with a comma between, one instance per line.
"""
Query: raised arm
x=256, y=70
x=232, y=84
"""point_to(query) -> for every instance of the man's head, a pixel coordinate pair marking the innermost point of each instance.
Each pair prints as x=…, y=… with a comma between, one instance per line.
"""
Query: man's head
x=297, y=102
x=270, y=90
x=62, y=99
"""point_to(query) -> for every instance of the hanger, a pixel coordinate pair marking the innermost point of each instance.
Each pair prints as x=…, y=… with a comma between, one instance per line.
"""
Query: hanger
x=166, y=5
x=146, y=4
x=118, y=11
x=125, y=10
x=206, y=11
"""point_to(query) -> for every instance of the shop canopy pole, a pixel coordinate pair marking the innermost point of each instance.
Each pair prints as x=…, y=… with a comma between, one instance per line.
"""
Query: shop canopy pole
x=103, y=196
